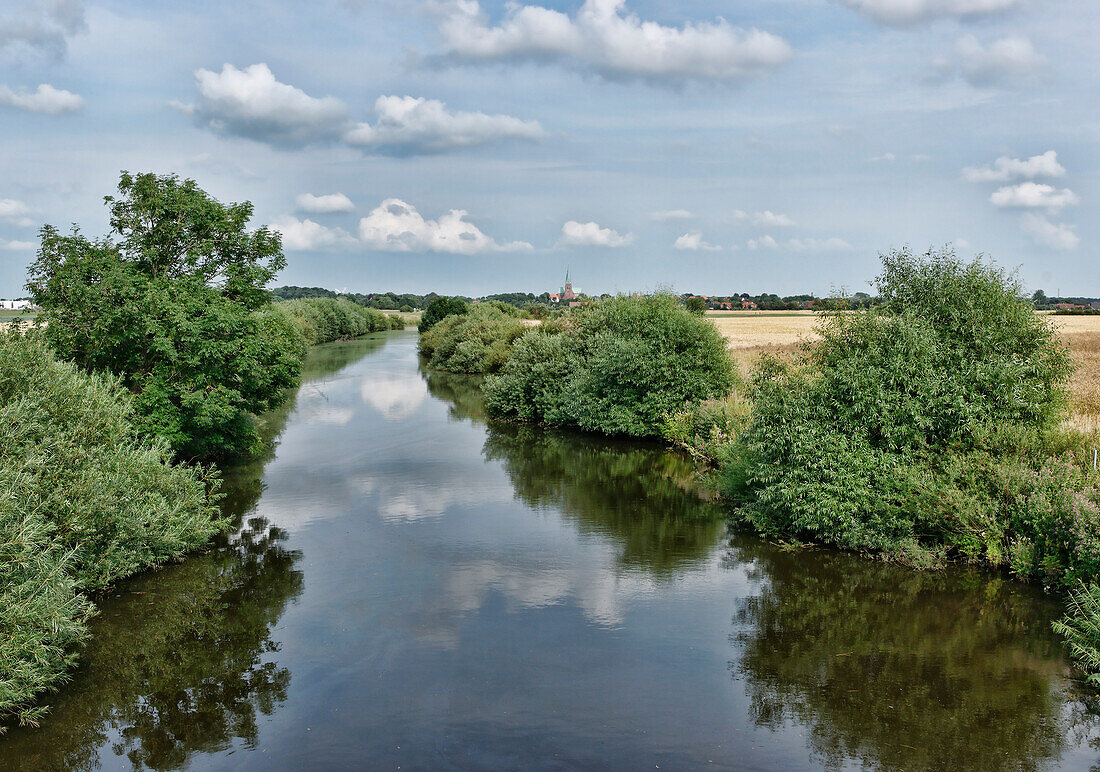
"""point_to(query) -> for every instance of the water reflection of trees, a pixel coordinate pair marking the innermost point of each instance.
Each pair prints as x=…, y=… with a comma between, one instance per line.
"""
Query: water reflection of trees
x=461, y=392
x=644, y=498
x=896, y=669
x=181, y=660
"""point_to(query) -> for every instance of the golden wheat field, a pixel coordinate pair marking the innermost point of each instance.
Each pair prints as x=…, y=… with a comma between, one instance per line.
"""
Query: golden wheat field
x=750, y=333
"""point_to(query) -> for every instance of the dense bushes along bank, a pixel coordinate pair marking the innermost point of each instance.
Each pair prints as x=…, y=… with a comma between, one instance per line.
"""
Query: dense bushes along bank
x=617, y=366
x=926, y=430
x=85, y=499
x=322, y=320
x=160, y=342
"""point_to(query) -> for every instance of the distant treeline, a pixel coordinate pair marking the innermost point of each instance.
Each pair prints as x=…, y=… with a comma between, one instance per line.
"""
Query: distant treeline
x=393, y=301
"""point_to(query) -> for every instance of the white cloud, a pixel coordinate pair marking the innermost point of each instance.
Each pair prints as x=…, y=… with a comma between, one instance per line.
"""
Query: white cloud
x=15, y=212
x=671, y=214
x=817, y=245
x=324, y=204
x=769, y=218
x=590, y=234
x=1043, y=231
x=693, y=241
x=394, y=396
x=395, y=226
x=1032, y=195
x=1010, y=61
x=19, y=246
x=1005, y=169
x=604, y=36
x=764, y=242
x=46, y=100
x=252, y=103
x=832, y=244
x=885, y=157
x=306, y=235
x=903, y=12
x=411, y=126
x=43, y=26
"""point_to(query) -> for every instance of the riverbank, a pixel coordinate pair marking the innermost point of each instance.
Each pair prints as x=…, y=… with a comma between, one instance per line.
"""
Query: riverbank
x=406, y=571
x=934, y=428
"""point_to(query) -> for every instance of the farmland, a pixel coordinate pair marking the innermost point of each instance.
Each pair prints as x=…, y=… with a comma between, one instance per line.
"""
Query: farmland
x=751, y=333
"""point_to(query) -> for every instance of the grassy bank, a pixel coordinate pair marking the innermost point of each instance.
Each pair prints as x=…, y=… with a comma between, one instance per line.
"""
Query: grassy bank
x=86, y=499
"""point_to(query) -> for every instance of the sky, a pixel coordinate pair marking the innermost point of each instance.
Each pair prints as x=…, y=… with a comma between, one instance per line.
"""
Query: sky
x=476, y=146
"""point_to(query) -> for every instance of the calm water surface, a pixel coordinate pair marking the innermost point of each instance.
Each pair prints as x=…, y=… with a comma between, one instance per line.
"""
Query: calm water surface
x=411, y=587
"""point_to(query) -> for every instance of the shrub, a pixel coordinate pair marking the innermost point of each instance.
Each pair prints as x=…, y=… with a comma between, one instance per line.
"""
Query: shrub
x=616, y=367
x=168, y=304
x=477, y=342
x=1081, y=629
x=321, y=320
x=440, y=308
x=86, y=500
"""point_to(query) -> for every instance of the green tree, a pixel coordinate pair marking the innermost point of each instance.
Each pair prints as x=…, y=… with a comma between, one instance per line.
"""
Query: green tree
x=696, y=305
x=438, y=309
x=168, y=303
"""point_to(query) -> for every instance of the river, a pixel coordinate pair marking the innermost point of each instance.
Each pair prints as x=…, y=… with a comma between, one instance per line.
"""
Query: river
x=411, y=587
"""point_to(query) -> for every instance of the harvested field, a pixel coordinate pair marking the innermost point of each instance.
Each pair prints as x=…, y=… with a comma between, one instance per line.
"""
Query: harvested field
x=751, y=333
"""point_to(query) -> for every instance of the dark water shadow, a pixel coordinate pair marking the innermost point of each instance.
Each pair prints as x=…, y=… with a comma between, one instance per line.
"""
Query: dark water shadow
x=891, y=668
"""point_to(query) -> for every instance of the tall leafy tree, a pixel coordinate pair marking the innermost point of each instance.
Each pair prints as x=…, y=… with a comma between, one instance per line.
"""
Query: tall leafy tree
x=171, y=301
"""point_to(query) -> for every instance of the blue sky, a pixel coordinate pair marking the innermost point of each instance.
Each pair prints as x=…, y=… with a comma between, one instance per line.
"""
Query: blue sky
x=476, y=147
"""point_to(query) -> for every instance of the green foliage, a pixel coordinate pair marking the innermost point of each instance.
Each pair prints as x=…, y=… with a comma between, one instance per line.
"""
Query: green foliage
x=924, y=430
x=321, y=320
x=696, y=305
x=440, y=308
x=85, y=500
x=169, y=305
x=1081, y=629
x=477, y=342
x=616, y=367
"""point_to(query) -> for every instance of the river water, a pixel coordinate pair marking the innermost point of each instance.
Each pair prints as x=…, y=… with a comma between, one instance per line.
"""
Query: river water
x=413, y=588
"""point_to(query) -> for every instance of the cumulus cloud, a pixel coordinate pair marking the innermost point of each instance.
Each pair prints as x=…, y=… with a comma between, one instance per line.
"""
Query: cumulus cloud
x=693, y=241
x=19, y=246
x=1010, y=61
x=1032, y=195
x=15, y=212
x=394, y=226
x=671, y=214
x=252, y=103
x=1005, y=169
x=590, y=234
x=1043, y=231
x=44, y=26
x=325, y=204
x=770, y=218
x=817, y=245
x=766, y=218
x=413, y=126
x=832, y=244
x=45, y=99
x=307, y=235
x=905, y=12
x=603, y=36
x=764, y=242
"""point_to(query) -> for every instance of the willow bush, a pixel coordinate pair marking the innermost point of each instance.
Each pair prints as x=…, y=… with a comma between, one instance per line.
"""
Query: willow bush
x=926, y=430
x=86, y=499
x=618, y=367
x=479, y=341
x=322, y=320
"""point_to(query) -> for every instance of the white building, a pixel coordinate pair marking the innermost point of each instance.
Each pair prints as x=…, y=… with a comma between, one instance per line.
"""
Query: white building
x=15, y=305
